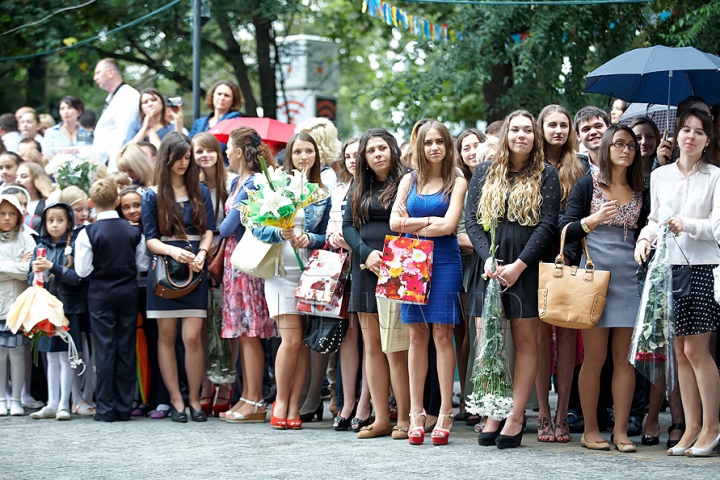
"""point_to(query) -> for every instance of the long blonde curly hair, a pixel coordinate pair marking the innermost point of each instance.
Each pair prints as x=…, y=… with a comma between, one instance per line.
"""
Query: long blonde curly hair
x=523, y=194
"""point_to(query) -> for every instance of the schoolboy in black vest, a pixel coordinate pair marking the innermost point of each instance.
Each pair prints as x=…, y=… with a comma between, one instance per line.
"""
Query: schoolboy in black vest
x=109, y=252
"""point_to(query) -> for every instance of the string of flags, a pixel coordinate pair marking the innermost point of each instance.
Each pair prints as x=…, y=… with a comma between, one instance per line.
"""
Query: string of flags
x=403, y=20
x=421, y=27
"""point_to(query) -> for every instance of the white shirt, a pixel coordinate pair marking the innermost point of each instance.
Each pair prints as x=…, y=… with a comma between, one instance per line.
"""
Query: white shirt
x=11, y=140
x=696, y=200
x=113, y=125
x=84, y=252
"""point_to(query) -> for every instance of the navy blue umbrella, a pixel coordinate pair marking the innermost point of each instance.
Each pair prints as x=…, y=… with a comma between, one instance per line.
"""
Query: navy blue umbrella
x=664, y=75
x=659, y=74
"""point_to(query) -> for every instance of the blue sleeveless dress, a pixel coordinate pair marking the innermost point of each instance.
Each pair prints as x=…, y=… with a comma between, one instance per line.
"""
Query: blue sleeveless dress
x=447, y=274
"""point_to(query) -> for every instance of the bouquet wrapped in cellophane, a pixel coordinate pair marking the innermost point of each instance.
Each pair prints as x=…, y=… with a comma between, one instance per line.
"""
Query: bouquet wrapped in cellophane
x=78, y=168
x=277, y=199
x=221, y=369
x=651, y=350
x=492, y=383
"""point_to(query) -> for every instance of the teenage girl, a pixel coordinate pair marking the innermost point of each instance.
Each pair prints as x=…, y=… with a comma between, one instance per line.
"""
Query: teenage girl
x=56, y=235
x=16, y=246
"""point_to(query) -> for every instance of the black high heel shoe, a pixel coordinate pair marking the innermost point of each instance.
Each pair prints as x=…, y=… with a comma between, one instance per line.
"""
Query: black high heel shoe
x=343, y=424
x=307, y=417
x=178, y=416
x=487, y=439
x=506, y=441
x=197, y=415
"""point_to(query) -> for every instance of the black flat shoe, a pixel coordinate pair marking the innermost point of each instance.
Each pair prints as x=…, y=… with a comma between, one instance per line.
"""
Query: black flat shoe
x=650, y=440
x=178, y=416
x=506, y=441
x=308, y=417
x=197, y=415
x=343, y=424
x=487, y=439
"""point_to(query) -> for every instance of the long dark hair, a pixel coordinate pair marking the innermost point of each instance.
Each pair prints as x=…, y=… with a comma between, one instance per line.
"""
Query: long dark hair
x=365, y=176
x=634, y=172
x=155, y=93
x=242, y=138
x=208, y=141
x=708, y=155
x=313, y=176
x=458, y=146
x=174, y=147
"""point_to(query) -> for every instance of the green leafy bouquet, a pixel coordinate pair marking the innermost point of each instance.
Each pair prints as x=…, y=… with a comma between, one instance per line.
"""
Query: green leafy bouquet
x=492, y=383
x=651, y=351
x=72, y=169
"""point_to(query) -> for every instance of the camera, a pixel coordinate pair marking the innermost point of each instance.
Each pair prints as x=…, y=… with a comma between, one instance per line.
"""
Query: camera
x=174, y=102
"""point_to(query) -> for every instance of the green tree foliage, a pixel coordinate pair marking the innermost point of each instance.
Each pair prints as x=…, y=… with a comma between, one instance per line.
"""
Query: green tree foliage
x=693, y=23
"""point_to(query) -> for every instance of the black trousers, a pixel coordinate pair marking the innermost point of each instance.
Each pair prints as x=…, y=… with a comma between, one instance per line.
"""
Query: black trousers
x=114, y=332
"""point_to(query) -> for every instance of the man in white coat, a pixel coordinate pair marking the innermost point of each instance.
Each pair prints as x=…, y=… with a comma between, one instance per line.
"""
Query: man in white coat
x=122, y=107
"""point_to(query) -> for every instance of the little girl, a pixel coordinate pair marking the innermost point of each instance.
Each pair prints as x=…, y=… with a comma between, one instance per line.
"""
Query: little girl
x=83, y=385
x=16, y=247
x=56, y=235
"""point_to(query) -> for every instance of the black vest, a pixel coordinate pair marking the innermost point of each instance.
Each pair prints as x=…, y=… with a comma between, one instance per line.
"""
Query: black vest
x=113, y=279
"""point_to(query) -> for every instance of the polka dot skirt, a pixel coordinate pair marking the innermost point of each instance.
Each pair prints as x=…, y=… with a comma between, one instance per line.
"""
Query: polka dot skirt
x=698, y=312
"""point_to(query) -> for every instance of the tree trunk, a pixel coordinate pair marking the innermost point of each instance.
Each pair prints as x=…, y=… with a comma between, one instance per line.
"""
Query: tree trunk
x=502, y=80
x=266, y=67
x=233, y=54
x=35, y=93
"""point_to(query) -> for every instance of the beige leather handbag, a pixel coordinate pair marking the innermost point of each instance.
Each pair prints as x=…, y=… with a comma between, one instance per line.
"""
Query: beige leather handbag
x=257, y=258
x=572, y=297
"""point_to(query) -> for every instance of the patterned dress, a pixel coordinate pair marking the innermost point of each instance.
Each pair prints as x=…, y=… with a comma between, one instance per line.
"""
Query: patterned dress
x=245, y=312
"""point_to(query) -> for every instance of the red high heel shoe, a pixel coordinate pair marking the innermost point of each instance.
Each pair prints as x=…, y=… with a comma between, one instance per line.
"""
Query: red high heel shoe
x=416, y=433
x=222, y=407
x=279, y=423
x=440, y=435
x=294, y=424
x=206, y=403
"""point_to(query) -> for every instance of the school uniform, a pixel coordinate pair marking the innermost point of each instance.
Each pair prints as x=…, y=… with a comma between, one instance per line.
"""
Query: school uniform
x=109, y=254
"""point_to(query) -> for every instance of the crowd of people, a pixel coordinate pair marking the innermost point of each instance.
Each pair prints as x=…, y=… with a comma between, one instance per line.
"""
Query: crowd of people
x=173, y=196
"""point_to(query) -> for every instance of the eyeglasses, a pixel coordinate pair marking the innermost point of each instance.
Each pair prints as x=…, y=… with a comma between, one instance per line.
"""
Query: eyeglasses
x=619, y=144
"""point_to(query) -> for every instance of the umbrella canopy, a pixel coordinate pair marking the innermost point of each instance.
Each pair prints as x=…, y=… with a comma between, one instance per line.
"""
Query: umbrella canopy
x=663, y=117
x=658, y=75
x=270, y=130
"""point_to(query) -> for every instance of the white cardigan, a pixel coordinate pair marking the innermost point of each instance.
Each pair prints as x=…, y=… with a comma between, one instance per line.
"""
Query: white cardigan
x=13, y=271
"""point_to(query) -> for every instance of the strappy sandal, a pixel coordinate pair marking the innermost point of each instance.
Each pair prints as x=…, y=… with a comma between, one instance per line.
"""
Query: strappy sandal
x=441, y=435
x=256, y=417
x=545, y=430
x=564, y=428
x=416, y=432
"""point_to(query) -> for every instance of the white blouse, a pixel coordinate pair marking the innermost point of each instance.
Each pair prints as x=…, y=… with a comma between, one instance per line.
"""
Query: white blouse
x=696, y=200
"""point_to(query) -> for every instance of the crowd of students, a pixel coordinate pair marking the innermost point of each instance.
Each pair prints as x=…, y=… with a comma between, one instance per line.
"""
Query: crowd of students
x=531, y=177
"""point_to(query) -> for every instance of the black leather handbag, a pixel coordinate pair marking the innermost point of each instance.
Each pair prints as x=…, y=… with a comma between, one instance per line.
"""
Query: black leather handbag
x=324, y=334
x=169, y=278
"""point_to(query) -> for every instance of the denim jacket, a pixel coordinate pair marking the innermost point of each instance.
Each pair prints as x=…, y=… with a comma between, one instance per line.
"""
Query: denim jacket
x=316, y=221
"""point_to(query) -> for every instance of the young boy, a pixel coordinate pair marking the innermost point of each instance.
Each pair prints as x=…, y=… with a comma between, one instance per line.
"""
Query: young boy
x=109, y=253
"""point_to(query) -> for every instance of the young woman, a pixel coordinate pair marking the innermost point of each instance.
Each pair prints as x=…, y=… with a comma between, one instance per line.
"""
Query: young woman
x=521, y=194
x=308, y=232
x=133, y=162
x=153, y=125
x=690, y=189
x=469, y=145
x=67, y=132
x=648, y=137
x=349, y=351
x=555, y=127
x=429, y=203
x=245, y=314
x=39, y=186
x=208, y=156
x=378, y=171
x=178, y=221
x=224, y=99
x=608, y=209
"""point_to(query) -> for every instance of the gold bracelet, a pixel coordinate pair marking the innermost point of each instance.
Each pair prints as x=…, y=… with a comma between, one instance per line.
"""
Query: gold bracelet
x=584, y=226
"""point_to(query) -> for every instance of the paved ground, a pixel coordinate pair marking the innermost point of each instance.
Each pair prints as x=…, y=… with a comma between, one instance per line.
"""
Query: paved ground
x=149, y=449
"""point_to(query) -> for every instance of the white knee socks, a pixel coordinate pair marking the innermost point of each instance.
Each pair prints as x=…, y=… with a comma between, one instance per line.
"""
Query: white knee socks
x=60, y=380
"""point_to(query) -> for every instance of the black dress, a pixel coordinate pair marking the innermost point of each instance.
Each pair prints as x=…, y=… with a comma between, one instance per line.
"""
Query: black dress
x=528, y=243
x=362, y=242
